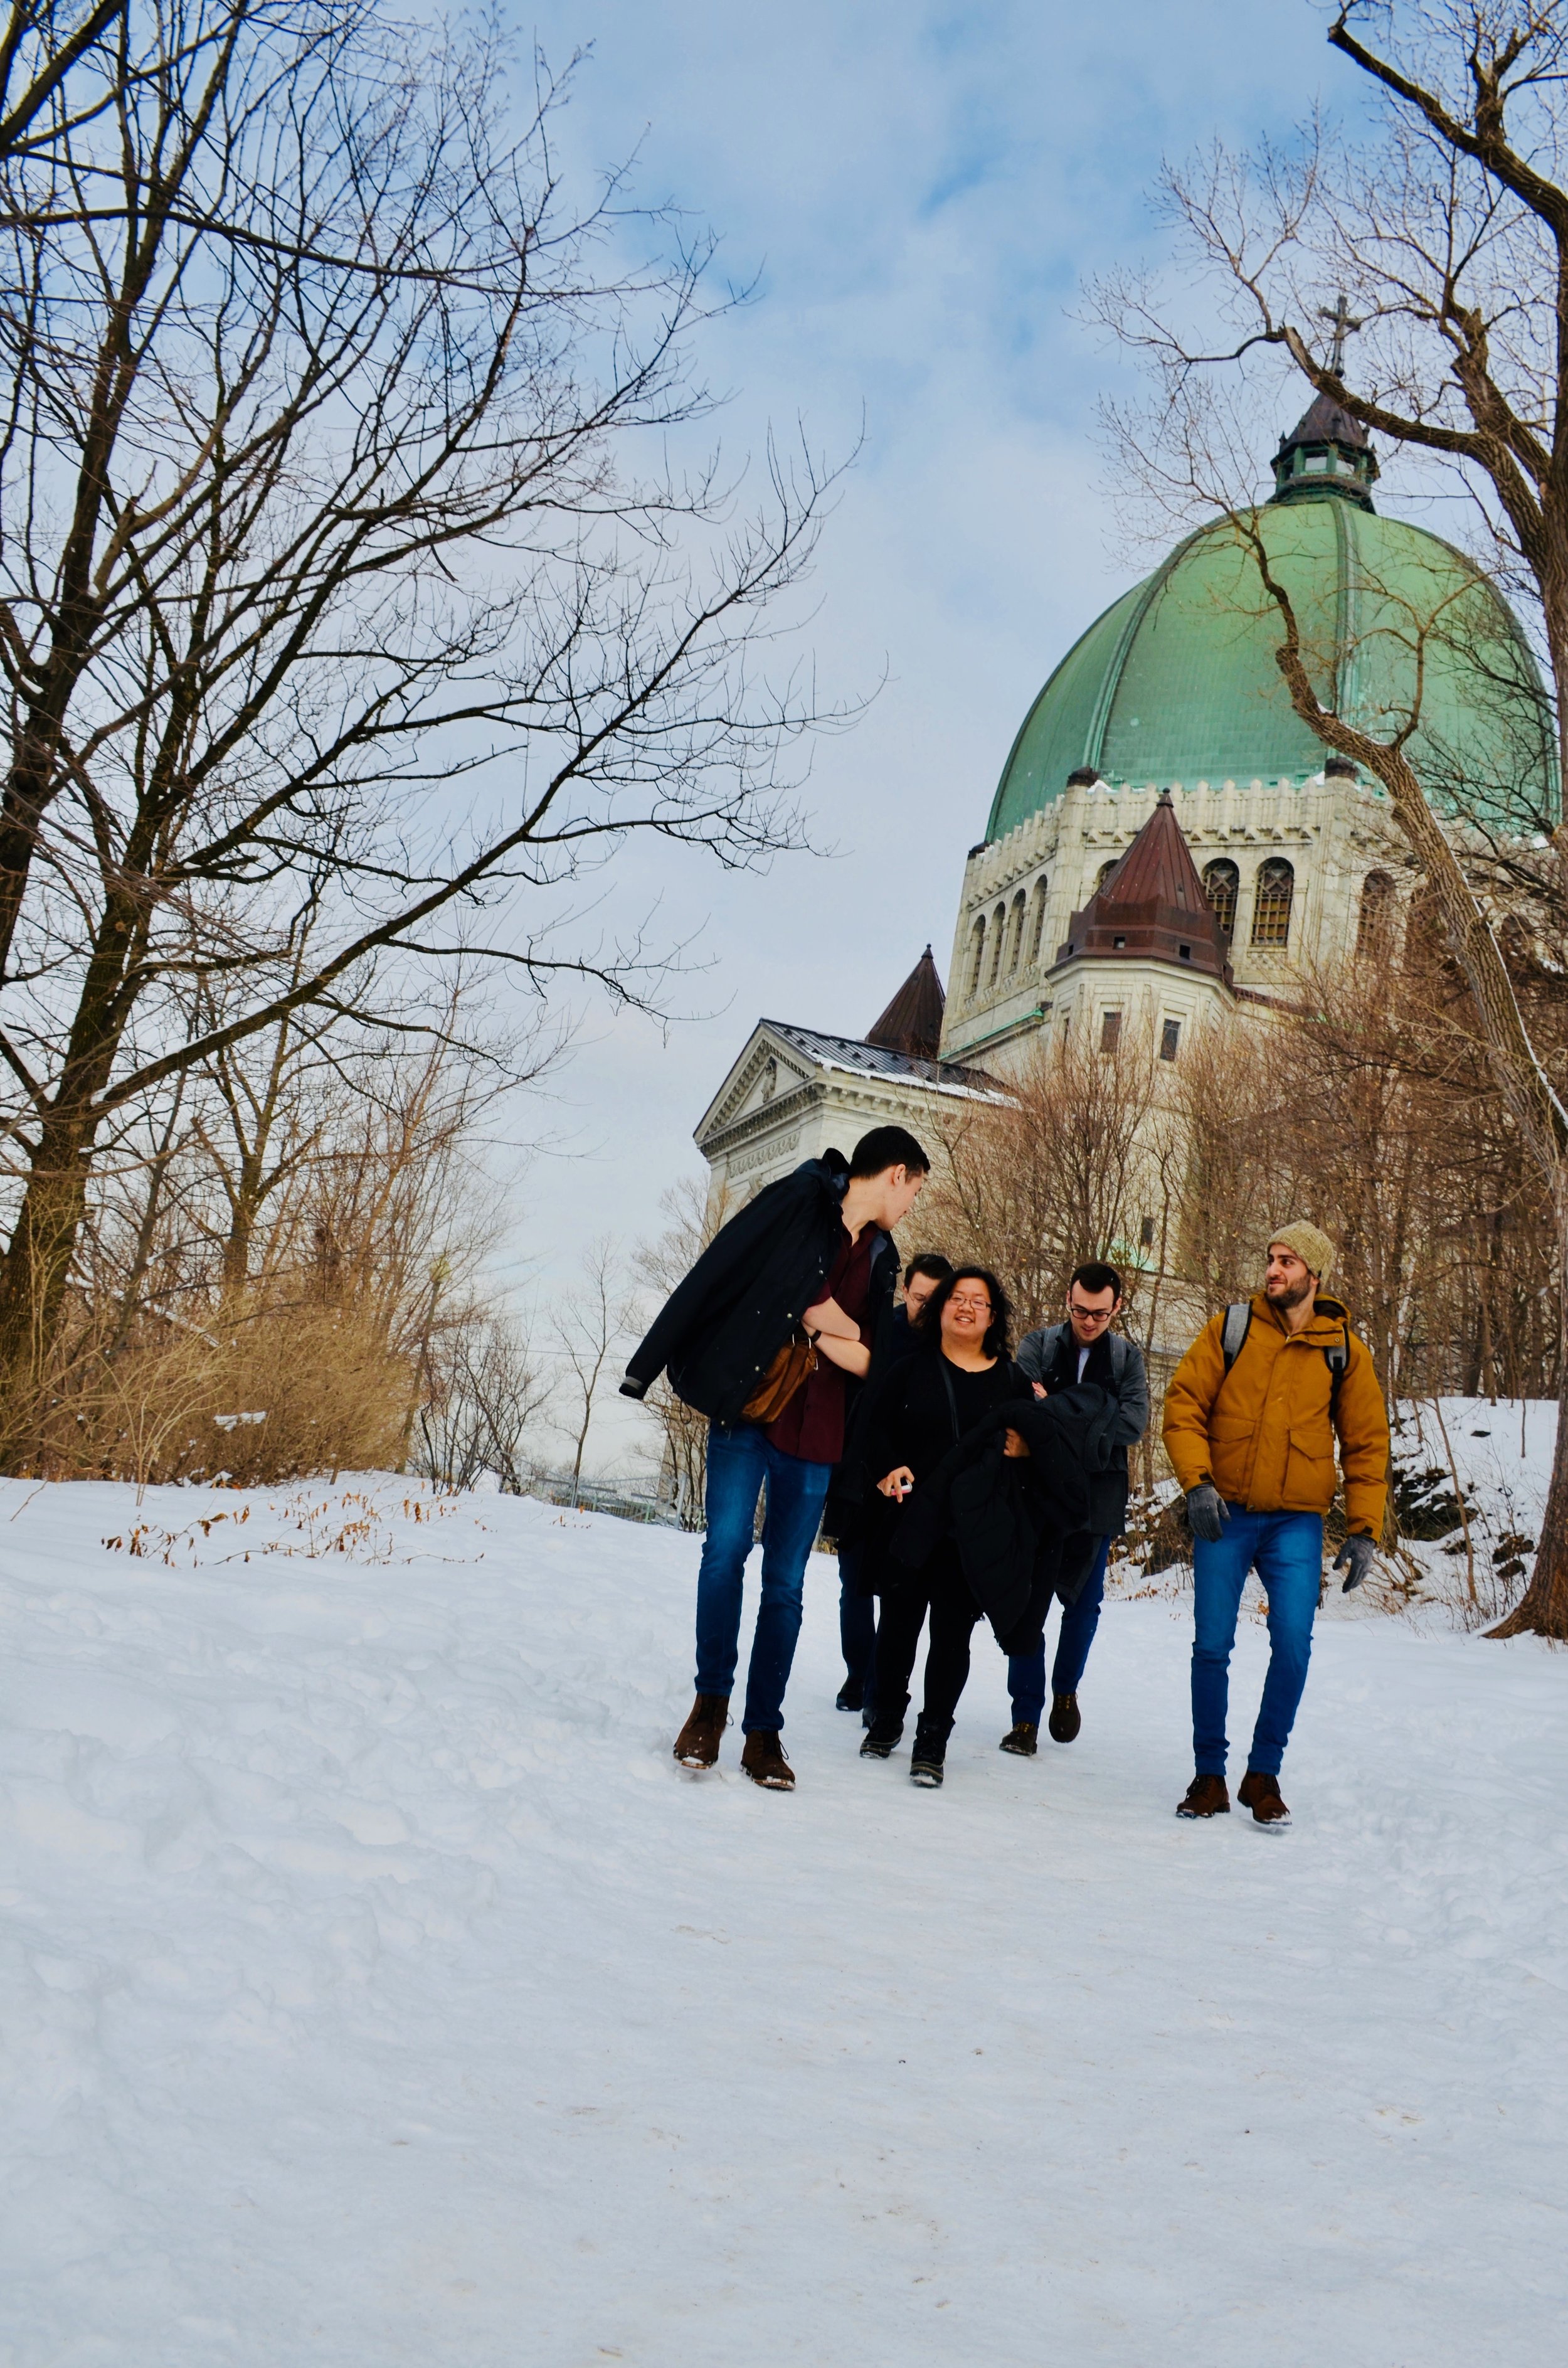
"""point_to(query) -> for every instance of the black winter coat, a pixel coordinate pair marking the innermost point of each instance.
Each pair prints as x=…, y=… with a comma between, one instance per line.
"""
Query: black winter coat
x=1115, y=1363
x=723, y=1326
x=1020, y=1523
x=844, y=1516
x=905, y=1416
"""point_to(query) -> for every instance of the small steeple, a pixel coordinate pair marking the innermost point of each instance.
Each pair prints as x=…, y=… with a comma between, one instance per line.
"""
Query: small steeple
x=1325, y=453
x=1152, y=907
x=913, y=1020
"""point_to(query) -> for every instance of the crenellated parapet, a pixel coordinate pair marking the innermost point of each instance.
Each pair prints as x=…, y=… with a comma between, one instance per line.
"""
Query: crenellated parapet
x=1300, y=851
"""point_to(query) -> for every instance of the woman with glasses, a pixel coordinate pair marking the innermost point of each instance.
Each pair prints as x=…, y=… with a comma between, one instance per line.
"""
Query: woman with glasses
x=922, y=1407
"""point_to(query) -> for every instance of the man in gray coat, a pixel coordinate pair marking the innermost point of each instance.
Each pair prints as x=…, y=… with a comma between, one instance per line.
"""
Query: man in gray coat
x=1084, y=1349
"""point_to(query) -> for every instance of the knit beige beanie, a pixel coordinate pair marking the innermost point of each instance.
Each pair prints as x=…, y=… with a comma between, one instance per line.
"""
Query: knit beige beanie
x=1313, y=1248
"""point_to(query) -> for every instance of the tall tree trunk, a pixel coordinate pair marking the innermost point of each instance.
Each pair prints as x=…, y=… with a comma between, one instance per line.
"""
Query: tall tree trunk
x=36, y=1269
x=1542, y=1609
x=34, y=1274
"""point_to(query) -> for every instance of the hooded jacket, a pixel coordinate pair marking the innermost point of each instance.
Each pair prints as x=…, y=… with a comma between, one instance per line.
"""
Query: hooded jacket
x=1264, y=1434
x=725, y=1323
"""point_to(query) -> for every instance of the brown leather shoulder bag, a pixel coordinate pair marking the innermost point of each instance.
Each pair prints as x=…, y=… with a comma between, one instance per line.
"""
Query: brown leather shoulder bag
x=795, y=1363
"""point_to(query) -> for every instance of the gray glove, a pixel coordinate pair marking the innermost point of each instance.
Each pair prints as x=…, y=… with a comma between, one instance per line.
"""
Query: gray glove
x=1360, y=1553
x=1207, y=1512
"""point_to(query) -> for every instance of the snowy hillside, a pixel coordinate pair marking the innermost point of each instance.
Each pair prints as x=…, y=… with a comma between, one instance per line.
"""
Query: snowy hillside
x=375, y=1990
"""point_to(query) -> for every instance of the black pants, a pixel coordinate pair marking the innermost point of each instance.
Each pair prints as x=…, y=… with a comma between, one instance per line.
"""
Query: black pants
x=856, y=1624
x=941, y=1591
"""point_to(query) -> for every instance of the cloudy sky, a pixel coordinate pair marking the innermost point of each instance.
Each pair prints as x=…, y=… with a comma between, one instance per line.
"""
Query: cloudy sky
x=919, y=192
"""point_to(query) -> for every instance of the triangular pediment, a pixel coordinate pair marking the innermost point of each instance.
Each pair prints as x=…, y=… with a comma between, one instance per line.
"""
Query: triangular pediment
x=768, y=1070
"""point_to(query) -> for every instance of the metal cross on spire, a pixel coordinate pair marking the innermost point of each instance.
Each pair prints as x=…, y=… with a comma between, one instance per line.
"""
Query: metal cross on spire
x=1344, y=327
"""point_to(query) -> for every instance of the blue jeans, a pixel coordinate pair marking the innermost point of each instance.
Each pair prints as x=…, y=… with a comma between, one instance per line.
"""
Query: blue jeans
x=1026, y=1671
x=1286, y=1550
x=739, y=1460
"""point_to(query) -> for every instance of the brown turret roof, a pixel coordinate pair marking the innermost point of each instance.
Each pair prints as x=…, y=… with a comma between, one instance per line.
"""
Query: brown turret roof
x=1326, y=422
x=913, y=1020
x=1152, y=907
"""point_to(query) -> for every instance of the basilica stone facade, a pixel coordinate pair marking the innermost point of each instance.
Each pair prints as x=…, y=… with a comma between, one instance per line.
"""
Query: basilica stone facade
x=1166, y=844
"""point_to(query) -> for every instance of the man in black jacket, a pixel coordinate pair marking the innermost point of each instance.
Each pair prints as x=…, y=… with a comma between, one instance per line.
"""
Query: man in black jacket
x=814, y=1252
x=1085, y=1349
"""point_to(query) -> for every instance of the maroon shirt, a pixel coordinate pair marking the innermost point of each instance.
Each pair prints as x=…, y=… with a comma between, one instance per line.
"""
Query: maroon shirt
x=811, y=1425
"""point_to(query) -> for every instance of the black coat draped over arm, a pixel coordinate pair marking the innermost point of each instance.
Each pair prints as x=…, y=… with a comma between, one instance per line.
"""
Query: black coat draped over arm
x=1010, y=1517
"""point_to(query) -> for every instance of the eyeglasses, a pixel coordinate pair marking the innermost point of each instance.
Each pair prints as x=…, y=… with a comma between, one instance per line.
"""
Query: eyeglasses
x=1090, y=1315
x=981, y=1306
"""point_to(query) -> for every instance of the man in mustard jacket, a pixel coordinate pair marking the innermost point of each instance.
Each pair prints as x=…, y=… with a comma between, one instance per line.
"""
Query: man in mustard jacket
x=1250, y=1414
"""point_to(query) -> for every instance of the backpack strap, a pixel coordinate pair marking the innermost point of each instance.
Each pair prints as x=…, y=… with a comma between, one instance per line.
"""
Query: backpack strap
x=1337, y=1358
x=1234, y=1333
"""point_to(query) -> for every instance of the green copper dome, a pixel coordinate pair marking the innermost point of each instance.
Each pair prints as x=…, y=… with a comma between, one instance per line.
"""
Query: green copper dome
x=1177, y=680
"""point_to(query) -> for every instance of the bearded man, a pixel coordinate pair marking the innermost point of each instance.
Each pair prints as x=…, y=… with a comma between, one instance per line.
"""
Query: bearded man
x=1252, y=1414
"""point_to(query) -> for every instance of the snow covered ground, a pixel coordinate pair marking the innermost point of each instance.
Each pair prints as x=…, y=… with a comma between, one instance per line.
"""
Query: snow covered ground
x=375, y=1990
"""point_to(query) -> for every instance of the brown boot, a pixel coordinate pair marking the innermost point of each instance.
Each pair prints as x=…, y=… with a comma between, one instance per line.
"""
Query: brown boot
x=1206, y=1797
x=1065, y=1718
x=697, y=1744
x=1022, y=1739
x=1260, y=1793
x=763, y=1760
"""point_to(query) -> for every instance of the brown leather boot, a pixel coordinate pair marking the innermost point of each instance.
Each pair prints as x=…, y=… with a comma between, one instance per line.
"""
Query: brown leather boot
x=1065, y=1720
x=763, y=1760
x=697, y=1744
x=1260, y=1793
x=1022, y=1741
x=1206, y=1797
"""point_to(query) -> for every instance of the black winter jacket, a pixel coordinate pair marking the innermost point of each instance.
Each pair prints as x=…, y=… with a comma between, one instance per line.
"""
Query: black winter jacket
x=1020, y=1523
x=844, y=1515
x=905, y=1416
x=723, y=1326
x=1115, y=1363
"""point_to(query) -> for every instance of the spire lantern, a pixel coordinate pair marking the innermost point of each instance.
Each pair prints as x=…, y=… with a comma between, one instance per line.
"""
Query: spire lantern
x=1325, y=453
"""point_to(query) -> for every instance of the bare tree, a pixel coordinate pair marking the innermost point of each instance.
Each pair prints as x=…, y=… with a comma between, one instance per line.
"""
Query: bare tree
x=318, y=511
x=484, y=1393
x=589, y=1324
x=1447, y=230
x=1057, y=1171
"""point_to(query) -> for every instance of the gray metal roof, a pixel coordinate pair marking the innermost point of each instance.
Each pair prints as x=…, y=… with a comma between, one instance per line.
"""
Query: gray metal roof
x=876, y=1060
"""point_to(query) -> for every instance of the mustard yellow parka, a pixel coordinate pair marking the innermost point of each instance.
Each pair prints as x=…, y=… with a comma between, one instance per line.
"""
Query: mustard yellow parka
x=1262, y=1432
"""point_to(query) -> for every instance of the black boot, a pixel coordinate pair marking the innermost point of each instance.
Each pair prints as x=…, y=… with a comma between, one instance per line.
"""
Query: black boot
x=930, y=1750
x=885, y=1733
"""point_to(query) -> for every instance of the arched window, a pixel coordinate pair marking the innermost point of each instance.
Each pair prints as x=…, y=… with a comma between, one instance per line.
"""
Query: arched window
x=1015, y=937
x=1037, y=930
x=1271, y=903
x=998, y=937
x=976, y=955
x=1106, y=870
x=1222, y=886
x=1374, y=932
x=1424, y=926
